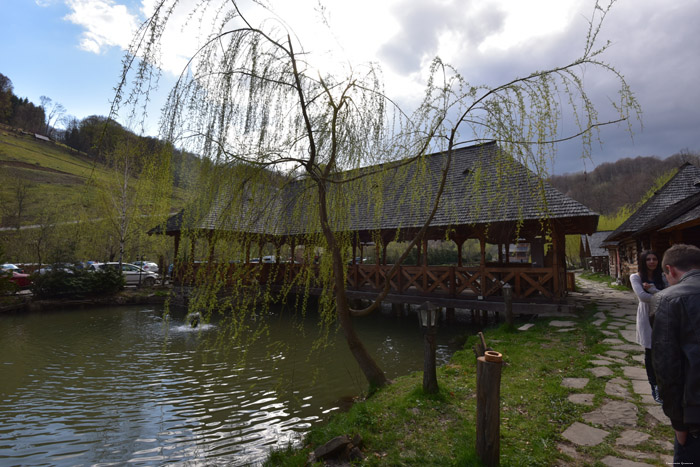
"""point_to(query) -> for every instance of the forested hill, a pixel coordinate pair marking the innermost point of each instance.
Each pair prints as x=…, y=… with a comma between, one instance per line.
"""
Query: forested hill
x=623, y=183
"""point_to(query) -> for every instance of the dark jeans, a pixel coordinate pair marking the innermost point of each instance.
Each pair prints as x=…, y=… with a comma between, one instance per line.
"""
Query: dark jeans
x=688, y=454
x=651, y=376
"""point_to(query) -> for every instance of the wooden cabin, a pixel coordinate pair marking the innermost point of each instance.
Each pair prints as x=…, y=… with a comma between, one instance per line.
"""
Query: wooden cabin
x=489, y=196
x=671, y=215
x=593, y=255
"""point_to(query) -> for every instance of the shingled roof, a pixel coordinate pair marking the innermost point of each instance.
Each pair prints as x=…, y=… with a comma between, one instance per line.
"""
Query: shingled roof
x=484, y=186
x=596, y=242
x=667, y=204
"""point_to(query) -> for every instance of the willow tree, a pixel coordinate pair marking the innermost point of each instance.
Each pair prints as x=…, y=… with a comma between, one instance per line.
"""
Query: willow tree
x=276, y=128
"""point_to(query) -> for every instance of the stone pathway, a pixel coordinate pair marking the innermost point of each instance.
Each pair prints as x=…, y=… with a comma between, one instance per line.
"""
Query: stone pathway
x=628, y=395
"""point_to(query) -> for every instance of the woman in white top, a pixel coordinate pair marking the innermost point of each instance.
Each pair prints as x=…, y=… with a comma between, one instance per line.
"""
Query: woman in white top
x=645, y=284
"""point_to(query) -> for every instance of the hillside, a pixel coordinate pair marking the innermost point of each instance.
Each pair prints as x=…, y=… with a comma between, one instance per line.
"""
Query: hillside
x=36, y=174
x=616, y=184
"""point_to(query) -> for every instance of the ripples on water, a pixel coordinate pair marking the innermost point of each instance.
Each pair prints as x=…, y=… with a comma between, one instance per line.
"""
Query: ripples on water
x=120, y=385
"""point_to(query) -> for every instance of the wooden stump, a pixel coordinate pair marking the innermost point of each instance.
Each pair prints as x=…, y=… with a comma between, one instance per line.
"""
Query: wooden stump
x=488, y=416
x=430, y=384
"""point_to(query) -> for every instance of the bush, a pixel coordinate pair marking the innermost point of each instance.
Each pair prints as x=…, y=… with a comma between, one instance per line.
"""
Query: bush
x=77, y=283
x=6, y=286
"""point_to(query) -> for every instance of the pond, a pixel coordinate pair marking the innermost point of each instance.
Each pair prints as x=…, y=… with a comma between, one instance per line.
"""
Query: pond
x=120, y=385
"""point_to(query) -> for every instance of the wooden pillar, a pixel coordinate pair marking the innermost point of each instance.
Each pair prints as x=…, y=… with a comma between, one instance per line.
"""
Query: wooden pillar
x=247, y=252
x=386, y=239
x=459, y=241
x=508, y=253
x=362, y=255
x=293, y=246
x=425, y=251
x=500, y=253
x=212, y=243
x=354, y=251
x=482, y=265
x=177, y=246
x=558, y=261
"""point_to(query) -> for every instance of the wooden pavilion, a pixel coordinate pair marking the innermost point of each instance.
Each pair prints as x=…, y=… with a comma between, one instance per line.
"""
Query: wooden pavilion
x=489, y=196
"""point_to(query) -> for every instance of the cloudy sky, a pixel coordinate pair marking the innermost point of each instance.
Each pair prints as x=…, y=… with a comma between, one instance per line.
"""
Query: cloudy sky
x=71, y=51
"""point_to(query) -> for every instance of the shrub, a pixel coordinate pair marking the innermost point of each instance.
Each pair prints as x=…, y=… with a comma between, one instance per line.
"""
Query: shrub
x=77, y=283
x=6, y=286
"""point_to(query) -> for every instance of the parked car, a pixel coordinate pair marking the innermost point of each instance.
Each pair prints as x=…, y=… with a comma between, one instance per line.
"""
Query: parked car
x=66, y=267
x=147, y=265
x=133, y=275
x=11, y=267
x=15, y=275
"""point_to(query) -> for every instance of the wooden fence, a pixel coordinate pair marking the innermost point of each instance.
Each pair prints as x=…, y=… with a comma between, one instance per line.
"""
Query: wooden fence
x=441, y=281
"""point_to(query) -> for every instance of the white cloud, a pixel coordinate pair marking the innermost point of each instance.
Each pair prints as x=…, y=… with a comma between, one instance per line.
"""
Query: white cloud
x=106, y=24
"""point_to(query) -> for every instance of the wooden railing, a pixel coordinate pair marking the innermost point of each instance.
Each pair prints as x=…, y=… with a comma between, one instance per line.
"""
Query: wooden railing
x=445, y=281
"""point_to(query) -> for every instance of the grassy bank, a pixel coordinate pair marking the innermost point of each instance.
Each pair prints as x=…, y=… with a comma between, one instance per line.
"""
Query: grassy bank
x=400, y=425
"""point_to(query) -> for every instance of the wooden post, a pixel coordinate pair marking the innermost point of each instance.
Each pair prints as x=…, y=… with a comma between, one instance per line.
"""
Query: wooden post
x=425, y=251
x=427, y=316
x=488, y=401
x=482, y=267
x=508, y=302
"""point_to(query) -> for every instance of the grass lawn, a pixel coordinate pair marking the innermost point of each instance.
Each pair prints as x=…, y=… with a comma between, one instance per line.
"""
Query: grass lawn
x=400, y=425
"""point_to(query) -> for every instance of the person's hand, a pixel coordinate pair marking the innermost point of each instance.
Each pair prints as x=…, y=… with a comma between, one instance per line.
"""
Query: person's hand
x=646, y=285
x=682, y=437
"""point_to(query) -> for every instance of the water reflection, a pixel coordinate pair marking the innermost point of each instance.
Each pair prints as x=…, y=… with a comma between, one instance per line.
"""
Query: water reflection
x=115, y=385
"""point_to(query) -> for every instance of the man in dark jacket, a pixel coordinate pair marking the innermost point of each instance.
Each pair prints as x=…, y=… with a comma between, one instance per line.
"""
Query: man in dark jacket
x=676, y=348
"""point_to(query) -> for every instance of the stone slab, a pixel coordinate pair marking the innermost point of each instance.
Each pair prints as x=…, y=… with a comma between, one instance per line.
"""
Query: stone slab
x=648, y=400
x=616, y=354
x=562, y=324
x=624, y=312
x=568, y=450
x=630, y=336
x=612, y=341
x=598, y=322
x=635, y=372
x=614, y=388
x=525, y=327
x=599, y=315
x=640, y=386
x=601, y=362
x=609, y=333
x=632, y=438
x=658, y=413
x=664, y=444
x=566, y=330
x=583, y=399
x=638, y=455
x=574, y=383
x=614, y=413
x=611, y=461
x=584, y=435
x=639, y=358
x=601, y=371
x=616, y=325
x=628, y=348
